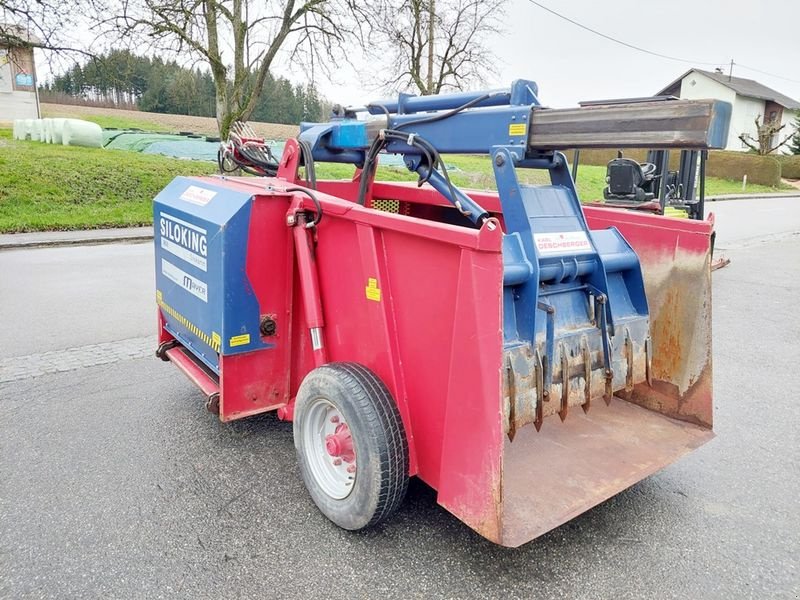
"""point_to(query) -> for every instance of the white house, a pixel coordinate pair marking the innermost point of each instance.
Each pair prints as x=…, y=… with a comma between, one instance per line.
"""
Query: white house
x=748, y=98
x=18, y=95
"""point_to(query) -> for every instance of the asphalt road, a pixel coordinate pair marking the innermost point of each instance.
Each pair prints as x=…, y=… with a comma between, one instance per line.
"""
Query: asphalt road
x=741, y=223
x=114, y=482
x=57, y=298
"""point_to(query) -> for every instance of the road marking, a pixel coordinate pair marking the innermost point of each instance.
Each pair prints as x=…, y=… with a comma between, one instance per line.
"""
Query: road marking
x=71, y=359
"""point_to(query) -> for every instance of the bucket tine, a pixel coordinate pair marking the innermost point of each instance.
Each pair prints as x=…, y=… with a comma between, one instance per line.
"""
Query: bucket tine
x=629, y=358
x=564, y=383
x=539, y=391
x=549, y=358
x=512, y=417
x=609, y=391
x=587, y=374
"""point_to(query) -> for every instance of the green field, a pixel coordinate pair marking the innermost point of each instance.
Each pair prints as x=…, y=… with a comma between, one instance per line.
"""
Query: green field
x=107, y=119
x=45, y=187
x=112, y=122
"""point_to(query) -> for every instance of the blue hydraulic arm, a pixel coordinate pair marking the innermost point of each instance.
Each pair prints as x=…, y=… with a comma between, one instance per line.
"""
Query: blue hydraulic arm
x=422, y=128
x=463, y=123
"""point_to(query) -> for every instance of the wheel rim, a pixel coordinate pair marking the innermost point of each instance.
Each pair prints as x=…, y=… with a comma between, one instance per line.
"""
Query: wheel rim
x=329, y=450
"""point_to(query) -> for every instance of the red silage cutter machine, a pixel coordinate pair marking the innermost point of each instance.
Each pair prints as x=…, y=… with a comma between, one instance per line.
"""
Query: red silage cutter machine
x=524, y=356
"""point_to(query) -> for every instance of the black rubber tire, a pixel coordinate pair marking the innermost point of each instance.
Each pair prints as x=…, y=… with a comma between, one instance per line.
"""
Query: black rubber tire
x=379, y=440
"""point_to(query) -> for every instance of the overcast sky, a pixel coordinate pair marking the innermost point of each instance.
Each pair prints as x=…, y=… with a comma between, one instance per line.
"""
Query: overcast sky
x=571, y=64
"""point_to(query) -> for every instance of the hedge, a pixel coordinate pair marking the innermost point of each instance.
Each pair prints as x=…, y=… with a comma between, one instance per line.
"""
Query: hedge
x=790, y=166
x=765, y=170
x=734, y=165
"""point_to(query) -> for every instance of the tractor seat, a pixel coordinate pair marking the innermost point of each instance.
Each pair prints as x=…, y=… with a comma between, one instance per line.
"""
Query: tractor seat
x=625, y=175
x=629, y=181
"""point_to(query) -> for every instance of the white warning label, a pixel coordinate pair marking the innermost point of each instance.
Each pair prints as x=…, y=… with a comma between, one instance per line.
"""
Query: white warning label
x=562, y=242
x=198, y=195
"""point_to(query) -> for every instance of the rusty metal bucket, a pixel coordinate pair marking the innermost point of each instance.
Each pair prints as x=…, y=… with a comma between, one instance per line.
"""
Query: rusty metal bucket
x=559, y=472
x=524, y=485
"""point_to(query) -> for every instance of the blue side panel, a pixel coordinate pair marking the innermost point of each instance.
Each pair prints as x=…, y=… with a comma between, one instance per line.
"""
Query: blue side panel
x=201, y=282
x=241, y=316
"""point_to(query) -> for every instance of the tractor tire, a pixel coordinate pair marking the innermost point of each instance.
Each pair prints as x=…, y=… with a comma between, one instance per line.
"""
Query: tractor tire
x=351, y=445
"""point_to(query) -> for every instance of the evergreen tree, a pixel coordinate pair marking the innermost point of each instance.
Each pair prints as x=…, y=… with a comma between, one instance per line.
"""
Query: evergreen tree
x=794, y=145
x=155, y=85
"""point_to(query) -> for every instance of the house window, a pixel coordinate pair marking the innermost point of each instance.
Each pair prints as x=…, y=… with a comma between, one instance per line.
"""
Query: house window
x=773, y=114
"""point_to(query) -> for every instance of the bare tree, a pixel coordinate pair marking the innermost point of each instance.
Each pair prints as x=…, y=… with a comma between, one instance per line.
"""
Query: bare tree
x=48, y=24
x=768, y=138
x=436, y=45
x=240, y=40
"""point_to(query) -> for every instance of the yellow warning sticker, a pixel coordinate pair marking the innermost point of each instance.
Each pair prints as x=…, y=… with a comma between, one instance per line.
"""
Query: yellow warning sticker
x=516, y=129
x=239, y=340
x=215, y=339
x=372, y=289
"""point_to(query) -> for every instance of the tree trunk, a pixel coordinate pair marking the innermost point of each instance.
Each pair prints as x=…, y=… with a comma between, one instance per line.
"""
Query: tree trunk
x=224, y=117
x=431, y=29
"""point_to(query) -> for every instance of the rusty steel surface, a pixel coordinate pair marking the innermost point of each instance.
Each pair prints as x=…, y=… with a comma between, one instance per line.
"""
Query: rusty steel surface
x=557, y=465
x=675, y=255
x=566, y=468
x=556, y=470
x=674, y=124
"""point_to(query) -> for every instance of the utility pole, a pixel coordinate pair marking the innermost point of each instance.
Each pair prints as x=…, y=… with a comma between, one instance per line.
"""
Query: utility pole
x=431, y=17
x=730, y=72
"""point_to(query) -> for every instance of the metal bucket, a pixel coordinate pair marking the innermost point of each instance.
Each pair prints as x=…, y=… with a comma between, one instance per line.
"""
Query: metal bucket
x=542, y=479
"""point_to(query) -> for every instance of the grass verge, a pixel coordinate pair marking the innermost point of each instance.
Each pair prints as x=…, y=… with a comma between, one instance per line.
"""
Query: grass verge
x=45, y=187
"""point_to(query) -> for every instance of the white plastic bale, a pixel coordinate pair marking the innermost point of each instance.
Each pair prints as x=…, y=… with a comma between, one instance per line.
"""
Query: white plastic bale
x=47, y=131
x=56, y=130
x=25, y=132
x=15, y=132
x=36, y=130
x=82, y=133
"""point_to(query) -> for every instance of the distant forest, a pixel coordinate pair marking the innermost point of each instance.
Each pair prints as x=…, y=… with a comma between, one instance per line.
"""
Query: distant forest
x=123, y=80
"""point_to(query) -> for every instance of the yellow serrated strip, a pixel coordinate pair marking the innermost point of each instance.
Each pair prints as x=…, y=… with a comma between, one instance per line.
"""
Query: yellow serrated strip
x=213, y=340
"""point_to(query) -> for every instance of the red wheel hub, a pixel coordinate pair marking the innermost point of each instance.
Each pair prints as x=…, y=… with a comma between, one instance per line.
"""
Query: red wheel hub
x=340, y=443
